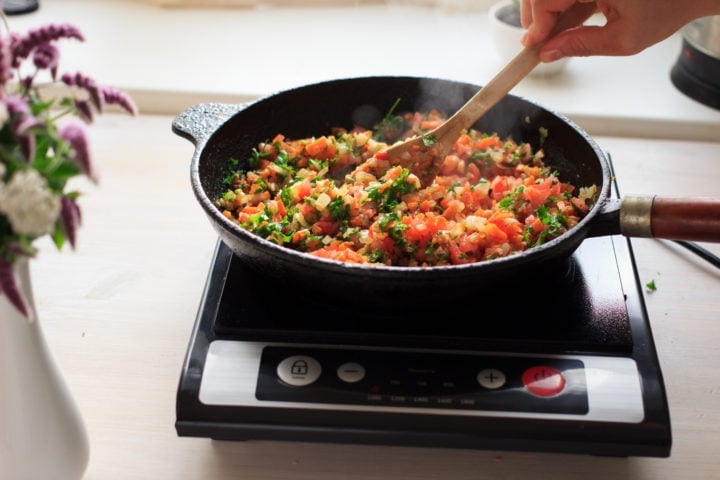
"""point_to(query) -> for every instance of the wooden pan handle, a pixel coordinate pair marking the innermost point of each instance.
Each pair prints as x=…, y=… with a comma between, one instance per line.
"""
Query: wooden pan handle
x=675, y=218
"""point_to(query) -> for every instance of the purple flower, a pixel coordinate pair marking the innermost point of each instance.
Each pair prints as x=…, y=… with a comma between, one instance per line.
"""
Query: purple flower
x=28, y=146
x=33, y=200
x=17, y=105
x=9, y=287
x=6, y=73
x=22, y=46
x=27, y=82
x=84, y=110
x=46, y=56
x=85, y=83
x=74, y=135
x=22, y=122
x=113, y=96
x=70, y=218
x=20, y=113
x=99, y=96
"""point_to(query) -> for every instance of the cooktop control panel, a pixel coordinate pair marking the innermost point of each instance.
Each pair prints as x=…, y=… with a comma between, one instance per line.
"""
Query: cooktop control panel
x=423, y=380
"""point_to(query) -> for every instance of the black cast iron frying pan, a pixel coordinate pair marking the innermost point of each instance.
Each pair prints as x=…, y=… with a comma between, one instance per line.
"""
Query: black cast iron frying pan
x=222, y=131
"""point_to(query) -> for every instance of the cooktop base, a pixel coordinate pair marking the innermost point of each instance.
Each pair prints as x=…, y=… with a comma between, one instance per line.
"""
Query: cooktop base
x=564, y=367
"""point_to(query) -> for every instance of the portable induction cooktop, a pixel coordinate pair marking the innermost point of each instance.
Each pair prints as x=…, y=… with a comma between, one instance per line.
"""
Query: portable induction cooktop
x=559, y=364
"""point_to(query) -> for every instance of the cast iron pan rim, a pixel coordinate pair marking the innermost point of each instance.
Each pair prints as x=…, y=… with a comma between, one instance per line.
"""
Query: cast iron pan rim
x=287, y=254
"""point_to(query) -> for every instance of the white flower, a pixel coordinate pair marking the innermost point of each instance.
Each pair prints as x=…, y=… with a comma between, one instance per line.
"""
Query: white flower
x=29, y=205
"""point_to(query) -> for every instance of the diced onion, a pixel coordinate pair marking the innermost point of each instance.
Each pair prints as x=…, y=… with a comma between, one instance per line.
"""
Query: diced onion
x=322, y=201
x=587, y=193
x=299, y=218
x=475, y=223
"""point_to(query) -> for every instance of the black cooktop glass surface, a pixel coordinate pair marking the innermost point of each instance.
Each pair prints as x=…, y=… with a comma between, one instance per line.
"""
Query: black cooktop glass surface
x=583, y=310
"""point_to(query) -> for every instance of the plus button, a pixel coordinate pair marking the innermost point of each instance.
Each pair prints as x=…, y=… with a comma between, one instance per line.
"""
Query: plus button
x=491, y=378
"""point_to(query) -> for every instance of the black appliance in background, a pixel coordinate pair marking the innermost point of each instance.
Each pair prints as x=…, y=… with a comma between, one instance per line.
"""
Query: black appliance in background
x=697, y=70
x=17, y=7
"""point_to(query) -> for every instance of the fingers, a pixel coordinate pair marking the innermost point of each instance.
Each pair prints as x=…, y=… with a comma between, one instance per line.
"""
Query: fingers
x=539, y=18
x=630, y=26
x=584, y=41
x=525, y=13
x=576, y=42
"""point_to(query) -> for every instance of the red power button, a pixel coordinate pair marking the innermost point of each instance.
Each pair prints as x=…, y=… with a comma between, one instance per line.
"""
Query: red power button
x=543, y=381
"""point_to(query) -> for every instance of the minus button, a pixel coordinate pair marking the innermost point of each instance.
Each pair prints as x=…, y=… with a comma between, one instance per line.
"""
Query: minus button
x=351, y=372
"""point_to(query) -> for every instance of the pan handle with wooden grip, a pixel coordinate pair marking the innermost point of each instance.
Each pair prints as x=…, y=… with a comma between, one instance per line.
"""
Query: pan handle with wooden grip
x=672, y=218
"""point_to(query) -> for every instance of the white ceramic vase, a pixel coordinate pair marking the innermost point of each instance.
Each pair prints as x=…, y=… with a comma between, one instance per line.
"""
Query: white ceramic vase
x=42, y=435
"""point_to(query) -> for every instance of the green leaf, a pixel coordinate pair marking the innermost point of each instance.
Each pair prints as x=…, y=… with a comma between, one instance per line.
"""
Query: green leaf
x=429, y=140
x=58, y=236
x=507, y=202
x=338, y=209
x=390, y=127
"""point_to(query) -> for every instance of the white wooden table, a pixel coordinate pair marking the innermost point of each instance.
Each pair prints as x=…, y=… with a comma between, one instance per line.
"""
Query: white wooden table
x=118, y=313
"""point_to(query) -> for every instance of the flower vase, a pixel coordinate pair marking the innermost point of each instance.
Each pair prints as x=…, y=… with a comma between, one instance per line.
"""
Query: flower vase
x=42, y=435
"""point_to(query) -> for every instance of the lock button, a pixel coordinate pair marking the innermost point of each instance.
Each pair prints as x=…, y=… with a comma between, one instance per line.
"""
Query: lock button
x=299, y=370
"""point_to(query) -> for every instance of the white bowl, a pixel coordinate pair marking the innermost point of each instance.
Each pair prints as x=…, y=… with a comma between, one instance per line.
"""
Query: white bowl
x=506, y=38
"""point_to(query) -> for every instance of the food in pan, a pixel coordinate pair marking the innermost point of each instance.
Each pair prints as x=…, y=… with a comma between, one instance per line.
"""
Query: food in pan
x=339, y=197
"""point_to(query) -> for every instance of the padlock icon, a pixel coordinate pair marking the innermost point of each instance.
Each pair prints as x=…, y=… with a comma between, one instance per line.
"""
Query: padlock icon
x=299, y=367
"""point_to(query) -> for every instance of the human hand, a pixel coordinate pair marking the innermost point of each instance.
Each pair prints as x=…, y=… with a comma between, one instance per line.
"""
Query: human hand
x=630, y=25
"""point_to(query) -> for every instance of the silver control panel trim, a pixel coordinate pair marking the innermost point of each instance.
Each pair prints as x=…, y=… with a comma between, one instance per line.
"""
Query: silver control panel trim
x=231, y=372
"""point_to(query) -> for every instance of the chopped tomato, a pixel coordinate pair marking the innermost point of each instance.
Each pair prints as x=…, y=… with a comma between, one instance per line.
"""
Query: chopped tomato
x=340, y=197
x=321, y=148
x=491, y=141
x=304, y=190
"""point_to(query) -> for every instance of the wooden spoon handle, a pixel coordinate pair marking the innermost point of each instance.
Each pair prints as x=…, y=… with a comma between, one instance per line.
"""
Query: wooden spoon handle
x=676, y=218
x=424, y=160
x=519, y=67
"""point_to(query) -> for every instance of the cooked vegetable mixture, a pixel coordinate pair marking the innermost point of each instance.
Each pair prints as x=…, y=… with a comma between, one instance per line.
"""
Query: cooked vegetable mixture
x=339, y=197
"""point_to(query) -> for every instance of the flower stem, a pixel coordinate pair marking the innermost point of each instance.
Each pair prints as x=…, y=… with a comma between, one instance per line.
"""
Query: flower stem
x=6, y=26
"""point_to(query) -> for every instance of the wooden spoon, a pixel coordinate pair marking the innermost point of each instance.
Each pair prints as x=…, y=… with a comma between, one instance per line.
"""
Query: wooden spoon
x=424, y=155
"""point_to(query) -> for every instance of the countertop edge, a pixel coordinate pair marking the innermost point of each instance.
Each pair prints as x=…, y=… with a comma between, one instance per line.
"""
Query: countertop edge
x=166, y=102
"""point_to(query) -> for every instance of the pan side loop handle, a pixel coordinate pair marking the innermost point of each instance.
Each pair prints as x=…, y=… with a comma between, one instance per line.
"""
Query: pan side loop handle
x=673, y=218
x=200, y=121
